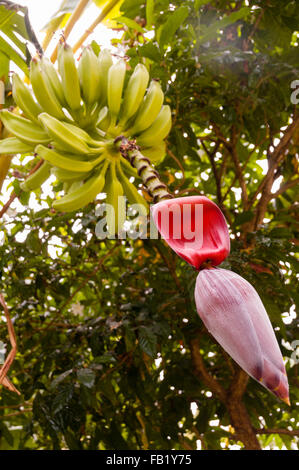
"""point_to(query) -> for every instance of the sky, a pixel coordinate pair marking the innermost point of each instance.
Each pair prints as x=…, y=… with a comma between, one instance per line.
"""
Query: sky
x=41, y=11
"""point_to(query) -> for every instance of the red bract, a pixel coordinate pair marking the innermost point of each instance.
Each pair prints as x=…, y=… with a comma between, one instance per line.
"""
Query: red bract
x=194, y=227
x=234, y=314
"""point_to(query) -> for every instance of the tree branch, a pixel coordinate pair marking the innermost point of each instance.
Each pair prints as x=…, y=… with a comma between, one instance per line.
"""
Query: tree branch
x=211, y=156
x=202, y=373
x=289, y=432
x=284, y=187
x=4, y=380
x=276, y=156
x=105, y=12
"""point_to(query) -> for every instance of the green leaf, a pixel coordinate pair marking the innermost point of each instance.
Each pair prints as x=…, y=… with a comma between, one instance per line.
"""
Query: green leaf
x=200, y=3
x=10, y=52
x=95, y=47
x=4, y=65
x=211, y=31
x=86, y=377
x=33, y=242
x=150, y=51
x=60, y=378
x=99, y=3
x=66, y=7
x=62, y=398
x=4, y=431
x=131, y=24
x=5, y=16
x=174, y=21
x=149, y=10
x=72, y=441
x=240, y=219
x=147, y=341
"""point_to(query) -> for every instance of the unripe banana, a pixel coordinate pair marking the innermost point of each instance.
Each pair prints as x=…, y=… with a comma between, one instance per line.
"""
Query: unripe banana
x=116, y=213
x=83, y=195
x=104, y=119
x=83, y=135
x=89, y=75
x=53, y=79
x=158, y=130
x=67, y=176
x=25, y=130
x=24, y=99
x=129, y=189
x=66, y=186
x=69, y=76
x=149, y=109
x=129, y=169
x=73, y=186
x=116, y=78
x=156, y=153
x=134, y=93
x=36, y=179
x=105, y=62
x=67, y=139
x=65, y=162
x=12, y=145
x=43, y=91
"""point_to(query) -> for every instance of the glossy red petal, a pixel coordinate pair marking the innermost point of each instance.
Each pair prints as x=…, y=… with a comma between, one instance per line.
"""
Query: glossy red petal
x=234, y=314
x=194, y=227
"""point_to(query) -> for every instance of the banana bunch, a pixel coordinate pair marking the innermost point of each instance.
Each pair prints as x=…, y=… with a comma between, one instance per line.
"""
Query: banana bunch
x=70, y=117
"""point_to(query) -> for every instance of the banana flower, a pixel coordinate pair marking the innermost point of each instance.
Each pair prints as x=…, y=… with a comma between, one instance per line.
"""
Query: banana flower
x=229, y=306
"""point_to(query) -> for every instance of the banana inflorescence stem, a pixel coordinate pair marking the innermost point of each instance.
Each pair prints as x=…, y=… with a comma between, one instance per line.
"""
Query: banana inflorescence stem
x=150, y=177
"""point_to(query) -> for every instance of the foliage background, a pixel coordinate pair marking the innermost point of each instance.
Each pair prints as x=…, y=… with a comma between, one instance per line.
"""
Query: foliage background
x=111, y=351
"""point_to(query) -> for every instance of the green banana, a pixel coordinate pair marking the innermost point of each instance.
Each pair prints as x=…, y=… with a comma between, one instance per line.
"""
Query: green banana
x=67, y=176
x=43, y=91
x=149, y=109
x=84, y=194
x=89, y=75
x=158, y=130
x=25, y=130
x=114, y=218
x=36, y=179
x=64, y=162
x=129, y=169
x=105, y=62
x=69, y=76
x=66, y=186
x=73, y=186
x=12, y=145
x=53, y=79
x=155, y=153
x=83, y=135
x=116, y=78
x=104, y=119
x=134, y=93
x=67, y=139
x=24, y=99
x=129, y=189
